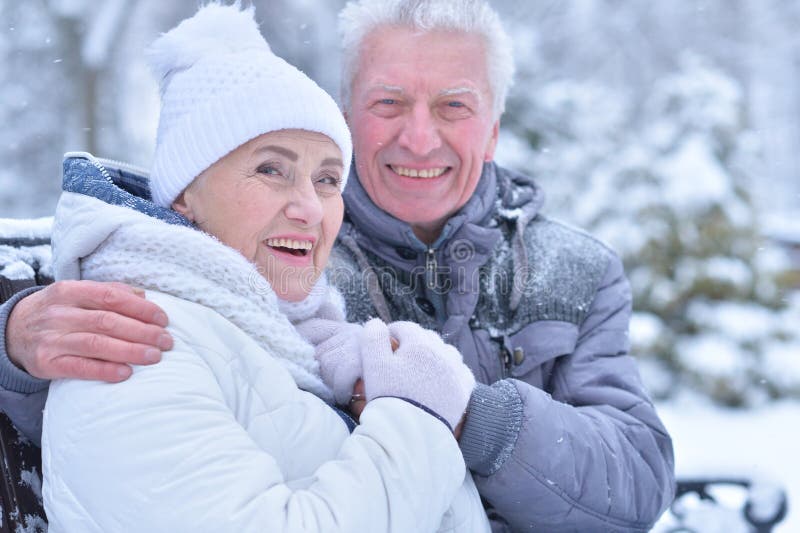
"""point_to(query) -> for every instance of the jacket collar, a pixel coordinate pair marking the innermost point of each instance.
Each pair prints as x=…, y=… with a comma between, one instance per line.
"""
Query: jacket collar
x=500, y=195
x=377, y=224
x=115, y=183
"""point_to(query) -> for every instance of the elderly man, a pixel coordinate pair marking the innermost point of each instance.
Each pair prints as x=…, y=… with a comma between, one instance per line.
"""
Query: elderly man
x=561, y=434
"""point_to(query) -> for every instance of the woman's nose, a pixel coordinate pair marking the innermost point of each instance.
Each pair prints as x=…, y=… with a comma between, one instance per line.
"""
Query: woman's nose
x=304, y=204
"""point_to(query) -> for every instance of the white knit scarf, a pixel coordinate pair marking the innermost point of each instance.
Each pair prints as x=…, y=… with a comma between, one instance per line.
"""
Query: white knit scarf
x=194, y=266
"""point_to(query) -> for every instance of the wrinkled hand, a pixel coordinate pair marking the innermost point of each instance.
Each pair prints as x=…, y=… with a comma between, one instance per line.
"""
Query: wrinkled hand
x=337, y=348
x=423, y=369
x=86, y=330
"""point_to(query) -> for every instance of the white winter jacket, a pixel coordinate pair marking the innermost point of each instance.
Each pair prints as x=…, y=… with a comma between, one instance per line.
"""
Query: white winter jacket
x=218, y=436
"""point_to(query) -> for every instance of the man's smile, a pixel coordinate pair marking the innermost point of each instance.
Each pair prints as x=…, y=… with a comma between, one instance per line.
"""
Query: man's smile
x=419, y=173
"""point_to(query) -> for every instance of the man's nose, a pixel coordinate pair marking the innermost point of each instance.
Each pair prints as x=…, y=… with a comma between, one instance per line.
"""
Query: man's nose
x=304, y=205
x=420, y=133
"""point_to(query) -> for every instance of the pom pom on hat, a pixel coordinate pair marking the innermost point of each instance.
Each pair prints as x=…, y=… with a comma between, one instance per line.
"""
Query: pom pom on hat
x=222, y=86
x=214, y=29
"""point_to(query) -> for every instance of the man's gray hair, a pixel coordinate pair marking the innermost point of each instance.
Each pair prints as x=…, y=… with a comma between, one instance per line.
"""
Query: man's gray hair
x=360, y=17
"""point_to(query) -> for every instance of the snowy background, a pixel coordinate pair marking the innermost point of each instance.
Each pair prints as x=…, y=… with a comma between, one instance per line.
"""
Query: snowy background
x=670, y=129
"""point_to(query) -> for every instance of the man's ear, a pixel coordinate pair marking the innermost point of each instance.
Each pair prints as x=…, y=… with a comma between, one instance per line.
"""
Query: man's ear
x=182, y=206
x=491, y=144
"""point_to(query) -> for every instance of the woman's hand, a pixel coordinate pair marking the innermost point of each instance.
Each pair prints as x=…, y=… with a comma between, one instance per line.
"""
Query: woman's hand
x=358, y=401
x=359, y=398
x=423, y=370
x=337, y=349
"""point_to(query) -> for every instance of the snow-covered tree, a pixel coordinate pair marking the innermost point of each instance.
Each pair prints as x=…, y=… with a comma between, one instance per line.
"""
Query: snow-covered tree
x=74, y=78
x=665, y=182
x=682, y=215
x=33, y=90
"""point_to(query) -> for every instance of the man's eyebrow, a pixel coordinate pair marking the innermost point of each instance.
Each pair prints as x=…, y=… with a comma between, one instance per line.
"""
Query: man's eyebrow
x=387, y=88
x=456, y=91
x=280, y=150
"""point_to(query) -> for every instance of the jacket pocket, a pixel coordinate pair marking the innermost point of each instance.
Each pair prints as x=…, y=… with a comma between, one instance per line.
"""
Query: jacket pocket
x=533, y=349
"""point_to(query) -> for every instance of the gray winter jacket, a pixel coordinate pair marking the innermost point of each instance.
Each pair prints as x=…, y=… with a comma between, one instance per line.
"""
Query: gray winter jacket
x=561, y=436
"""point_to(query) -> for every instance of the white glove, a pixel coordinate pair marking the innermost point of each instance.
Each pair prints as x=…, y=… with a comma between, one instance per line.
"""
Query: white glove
x=337, y=349
x=423, y=369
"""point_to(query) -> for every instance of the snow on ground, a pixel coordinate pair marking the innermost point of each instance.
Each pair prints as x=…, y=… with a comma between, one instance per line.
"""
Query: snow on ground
x=34, y=228
x=760, y=443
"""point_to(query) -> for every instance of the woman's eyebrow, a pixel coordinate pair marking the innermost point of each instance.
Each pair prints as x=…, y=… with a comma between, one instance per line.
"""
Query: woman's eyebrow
x=280, y=150
x=332, y=161
x=292, y=156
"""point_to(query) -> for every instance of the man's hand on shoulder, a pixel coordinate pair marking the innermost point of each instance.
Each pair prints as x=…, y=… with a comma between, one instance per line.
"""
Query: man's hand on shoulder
x=86, y=330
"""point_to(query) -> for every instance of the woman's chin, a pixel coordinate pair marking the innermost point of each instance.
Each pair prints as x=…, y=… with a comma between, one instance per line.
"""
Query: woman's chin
x=293, y=296
x=290, y=284
x=295, y=290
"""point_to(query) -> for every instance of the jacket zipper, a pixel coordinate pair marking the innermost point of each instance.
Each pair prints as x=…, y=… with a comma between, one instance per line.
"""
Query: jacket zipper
x=505, y=363
x=94, y=161
x=125, y=167
x=101, y=164
x=430, y=269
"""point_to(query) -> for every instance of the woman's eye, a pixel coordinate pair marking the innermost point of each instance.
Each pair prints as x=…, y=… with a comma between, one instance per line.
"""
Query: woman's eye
x=328, y=183
x=268, y=169
x=271, y=170
x=330, y=180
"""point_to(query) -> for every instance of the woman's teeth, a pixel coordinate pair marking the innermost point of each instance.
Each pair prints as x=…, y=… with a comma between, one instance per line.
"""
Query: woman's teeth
x=414, y=173
x=290, y=243
x=292, y=246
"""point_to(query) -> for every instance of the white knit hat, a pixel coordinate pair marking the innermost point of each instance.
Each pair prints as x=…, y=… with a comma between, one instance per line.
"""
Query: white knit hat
x=221, y=86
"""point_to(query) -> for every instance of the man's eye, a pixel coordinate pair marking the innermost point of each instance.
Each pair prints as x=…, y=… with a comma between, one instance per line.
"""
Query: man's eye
x=387, y=101
x=454, y=110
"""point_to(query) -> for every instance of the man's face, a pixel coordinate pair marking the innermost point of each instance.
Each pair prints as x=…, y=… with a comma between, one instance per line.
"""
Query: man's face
x=422, y=123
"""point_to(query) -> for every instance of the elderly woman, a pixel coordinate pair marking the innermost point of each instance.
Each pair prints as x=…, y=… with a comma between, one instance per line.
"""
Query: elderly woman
x=236, y=430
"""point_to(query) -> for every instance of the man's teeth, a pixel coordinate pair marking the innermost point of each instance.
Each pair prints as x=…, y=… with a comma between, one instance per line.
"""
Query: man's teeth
x=289, y=243
x=424, y=173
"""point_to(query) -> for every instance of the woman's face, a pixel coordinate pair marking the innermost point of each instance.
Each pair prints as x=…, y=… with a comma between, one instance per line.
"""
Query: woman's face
x=276, y=200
